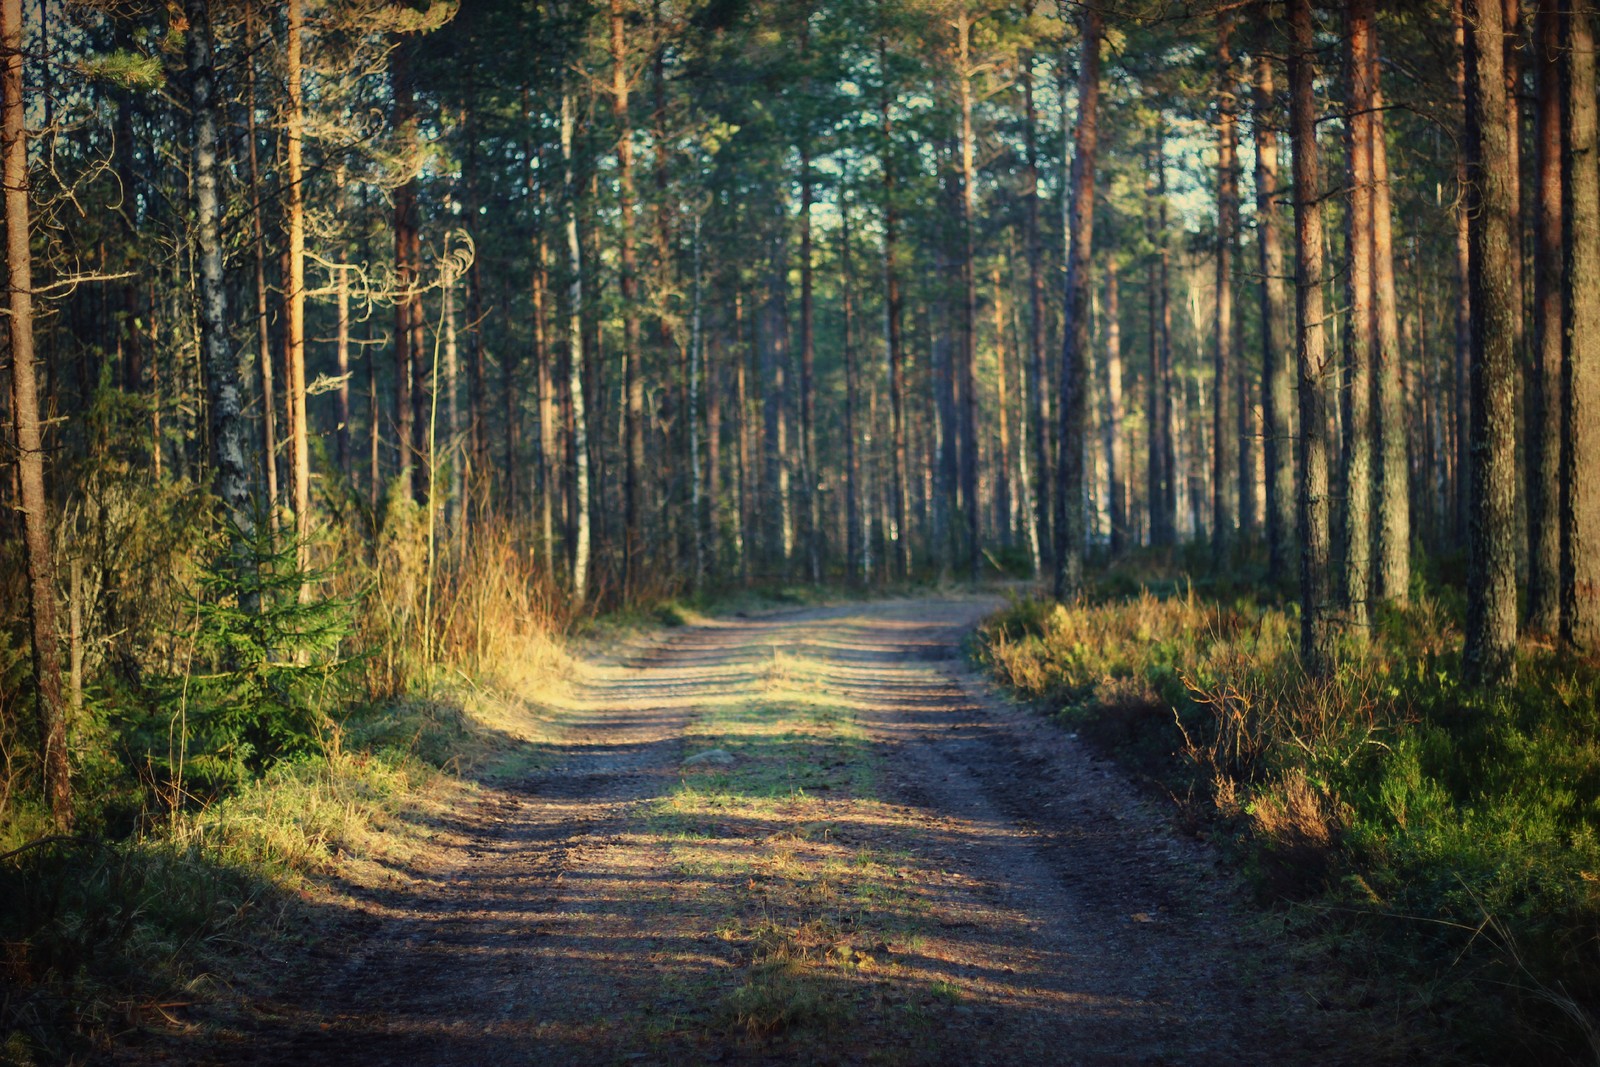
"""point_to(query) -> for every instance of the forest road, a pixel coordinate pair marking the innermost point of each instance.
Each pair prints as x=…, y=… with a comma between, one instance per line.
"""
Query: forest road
x=808, y=836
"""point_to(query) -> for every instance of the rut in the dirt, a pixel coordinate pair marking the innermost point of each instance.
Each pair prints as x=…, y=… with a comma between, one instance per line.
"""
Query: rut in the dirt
x=882, y=864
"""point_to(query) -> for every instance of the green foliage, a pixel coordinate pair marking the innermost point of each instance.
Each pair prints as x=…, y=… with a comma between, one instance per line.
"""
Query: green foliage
x=1458, y=828
x=262, y=674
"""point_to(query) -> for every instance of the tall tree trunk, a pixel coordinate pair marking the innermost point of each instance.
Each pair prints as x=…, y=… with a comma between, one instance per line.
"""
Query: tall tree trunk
x=1316, y=629
x=1491, y=629
x=696, y=516
x=901, y=488
x=578, y=427
x=1392, y=552
x=809, y=466
x=36, y=538
x=1580, y=424
x=341, y=353
x=1162, y=457
x=1224, y=515
x=1549, y=336
x=405, y=223
x=1355, y=469
x=1004, y=517
x=230, y=467
x=295, y=298
x=1464, y=346
x=1039, y=411
x=854, y=540
x=968, y=371
x=258, y=241
x=1277, y=392
x=1116, y=457
x=633, y=484
x=1075, y=333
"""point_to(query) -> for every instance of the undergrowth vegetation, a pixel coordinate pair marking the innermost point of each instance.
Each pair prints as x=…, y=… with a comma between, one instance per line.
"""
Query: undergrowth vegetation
x=232, y=738
x=1411, y=824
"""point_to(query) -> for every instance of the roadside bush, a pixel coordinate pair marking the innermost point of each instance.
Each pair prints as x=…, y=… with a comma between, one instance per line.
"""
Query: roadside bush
x=1460, y=828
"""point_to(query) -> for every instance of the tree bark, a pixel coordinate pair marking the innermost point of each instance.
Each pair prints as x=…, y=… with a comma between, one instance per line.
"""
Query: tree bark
x=25, y=411
x=405, y=223
x=1464, y=348
x=1039, y=411
x=968, y=371
x=1277, y=393
x=1224, y=515
x=295, y=298
x=1491, y=627
x=854, y=539
x=1549, y=336
x=578, y=424
x=1316, y=629
x=1355, y=468
x=269, y=401
x=1580, y=451
x=1392, y=497
x=230, y=468
x=901, y=488
x=1069, y=533
x=1116, y=458
x=633, y=360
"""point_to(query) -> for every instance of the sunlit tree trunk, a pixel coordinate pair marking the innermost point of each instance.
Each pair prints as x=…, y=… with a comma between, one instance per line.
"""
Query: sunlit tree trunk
x=269, y=401
x=854, y=534
x=1223, y=433
x=1355, y=468
x=1491, y=627
x=34, y=500
x=1277, y=384
x=1039, y=408
x=230, y=467
x=295, y=299
x=1580, y=425
x=578, y=424
x=968, y=371
x=900, y=489
x=1116, y=458
x=1549, y=334
x=633, y=359
x=1075, y=341
x=1391, y=496
x=1316, y=629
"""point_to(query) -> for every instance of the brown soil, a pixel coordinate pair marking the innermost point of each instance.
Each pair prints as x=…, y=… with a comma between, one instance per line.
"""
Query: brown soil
x=947, y=878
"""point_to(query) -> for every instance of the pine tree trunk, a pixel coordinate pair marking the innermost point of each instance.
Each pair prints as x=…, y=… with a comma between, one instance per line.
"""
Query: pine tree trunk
x=968, y=371
x=901, y=488
x=1002, y=459
x=405, y=223
x=1039, y=410
x=854, y=539
x=341, y=352
x=1392, y=496
x=1277, y=392
x=1580, y=449
x=633, y=359
x=1464, y=348
x=1491, y=626
x=230, y=467
x=1224, y=443
x=1069, y=533
x=269, y=401
x=1549, y=336
x=1316, y=629
x=1116, y=459
x=295, y=298
x=578, y=431
x=1355, y=468
x=25, y=409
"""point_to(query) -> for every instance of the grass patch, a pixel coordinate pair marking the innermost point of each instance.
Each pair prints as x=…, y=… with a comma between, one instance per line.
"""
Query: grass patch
x=1445, y=834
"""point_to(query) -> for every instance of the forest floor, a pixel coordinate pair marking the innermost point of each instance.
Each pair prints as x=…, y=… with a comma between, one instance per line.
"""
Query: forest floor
x=810, y=835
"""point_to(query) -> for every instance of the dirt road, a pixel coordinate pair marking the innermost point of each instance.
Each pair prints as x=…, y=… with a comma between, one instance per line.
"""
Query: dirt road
x=815, y=837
